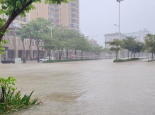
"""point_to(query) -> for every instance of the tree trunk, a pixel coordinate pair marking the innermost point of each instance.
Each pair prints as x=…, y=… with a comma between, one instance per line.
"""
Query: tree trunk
x=116, y=55
x=131, y=54
x=24, y=53
x=1, y=94
x=14, y=14
x=67, y=53
x=75, y=52
x=8, y=22
x=30, y=49
x=152, y=56
x=81, y=54
x=38, y=51
x=55, y=57
x=148, y=56
x=49, y=54
x=61, y=54
x=128, y=54
x=134, y=54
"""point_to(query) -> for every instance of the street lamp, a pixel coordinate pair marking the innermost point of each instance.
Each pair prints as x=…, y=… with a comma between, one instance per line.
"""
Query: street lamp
x=119, y=1
x=116, y=25
x=118, y=30
x=119, y=26
x=93, y=36
x=51, y=28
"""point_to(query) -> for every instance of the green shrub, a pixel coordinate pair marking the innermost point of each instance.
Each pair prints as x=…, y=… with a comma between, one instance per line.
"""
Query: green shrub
x=124, y=60
x=11, y=99
x=53, y=61
x=150, y=60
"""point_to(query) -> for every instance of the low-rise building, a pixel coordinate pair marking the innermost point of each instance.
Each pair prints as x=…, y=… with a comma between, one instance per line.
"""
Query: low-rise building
x=140, y=35
x=93, y=42
x=111, y=37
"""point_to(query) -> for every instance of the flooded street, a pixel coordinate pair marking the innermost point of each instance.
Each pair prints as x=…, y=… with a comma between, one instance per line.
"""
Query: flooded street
x=87, y=88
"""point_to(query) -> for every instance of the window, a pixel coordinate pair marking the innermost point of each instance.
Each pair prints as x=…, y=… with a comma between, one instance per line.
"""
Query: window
x=56, y=15
x=32, y=43
x=56, y=10
x=57, y=21
x=8, y=40
x=12, y=41
x=18, y=41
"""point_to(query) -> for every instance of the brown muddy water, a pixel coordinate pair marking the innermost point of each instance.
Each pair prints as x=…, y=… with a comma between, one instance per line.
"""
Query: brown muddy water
x=87, y=88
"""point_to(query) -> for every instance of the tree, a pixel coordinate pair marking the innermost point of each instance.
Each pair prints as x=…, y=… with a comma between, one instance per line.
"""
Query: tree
x=116, y=45
x=35, y=29
x=13, y=8
x=108, y=51
x=97, y=50
x=40, y=27
x=68, y=45
x=128, y=44
x=25, y=32
x=137, y=47
x=82, y=45
x=59, y=40
x=150, y=44
x=2, y=51
x=69, y=41
x=48, y=44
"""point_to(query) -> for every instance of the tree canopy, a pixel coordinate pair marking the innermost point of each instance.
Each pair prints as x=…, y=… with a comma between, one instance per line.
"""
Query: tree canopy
x=150, y=44
x=13, y=8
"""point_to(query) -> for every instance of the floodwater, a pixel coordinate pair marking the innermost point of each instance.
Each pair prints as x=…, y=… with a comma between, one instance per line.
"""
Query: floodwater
x=87, y=88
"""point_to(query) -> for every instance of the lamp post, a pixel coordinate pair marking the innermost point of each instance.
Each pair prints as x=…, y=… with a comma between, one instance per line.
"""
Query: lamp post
x=119, y=1
x=119, y=26
x=93, y=36
x=118, y=30
x=51, y=28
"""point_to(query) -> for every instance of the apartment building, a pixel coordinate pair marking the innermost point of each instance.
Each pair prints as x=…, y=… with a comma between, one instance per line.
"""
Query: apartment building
x=64, y=14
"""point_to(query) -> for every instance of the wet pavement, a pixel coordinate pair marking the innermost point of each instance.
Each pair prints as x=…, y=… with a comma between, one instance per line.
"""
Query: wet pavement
x=87, y=88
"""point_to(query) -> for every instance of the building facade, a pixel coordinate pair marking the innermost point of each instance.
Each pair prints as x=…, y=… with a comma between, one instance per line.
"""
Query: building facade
x=63, y=14
x=140, y=35
x=111, y=37
x=93, y=42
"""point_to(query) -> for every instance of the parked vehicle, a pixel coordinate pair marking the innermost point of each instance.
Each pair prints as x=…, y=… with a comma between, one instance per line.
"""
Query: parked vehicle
x=8, y=61
x=47, y=58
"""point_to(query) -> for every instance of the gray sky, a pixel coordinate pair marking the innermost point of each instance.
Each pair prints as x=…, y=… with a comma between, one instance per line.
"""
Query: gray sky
x=97, y=17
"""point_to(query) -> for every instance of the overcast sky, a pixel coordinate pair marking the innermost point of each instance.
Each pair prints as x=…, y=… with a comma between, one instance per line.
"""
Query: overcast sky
x=97, y=17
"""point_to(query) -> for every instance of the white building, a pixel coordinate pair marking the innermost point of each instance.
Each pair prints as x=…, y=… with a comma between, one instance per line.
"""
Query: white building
x=111, y=37
x=140, y=35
